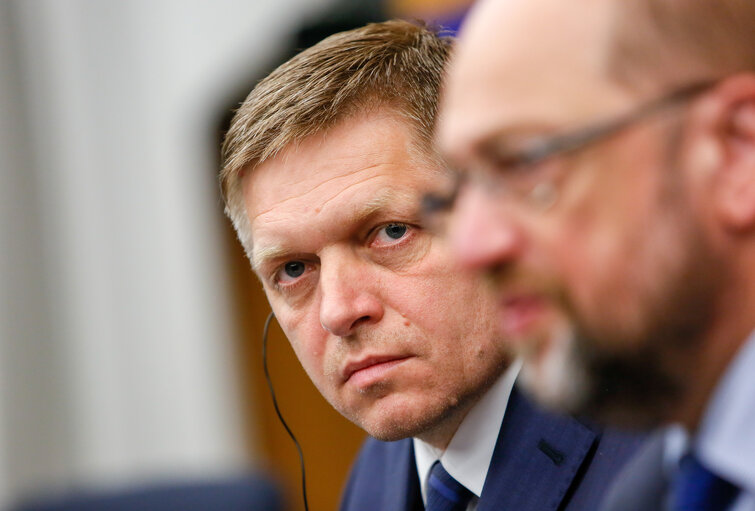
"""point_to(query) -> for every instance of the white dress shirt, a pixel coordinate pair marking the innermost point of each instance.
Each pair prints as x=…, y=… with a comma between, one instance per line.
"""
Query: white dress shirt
x=470, y=451
x=726, y=438
x=725, y=442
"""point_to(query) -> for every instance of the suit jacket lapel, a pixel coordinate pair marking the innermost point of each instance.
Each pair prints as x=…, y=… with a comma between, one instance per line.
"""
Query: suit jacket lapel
x=642, y=484
x=402, y=491
x=536, y=458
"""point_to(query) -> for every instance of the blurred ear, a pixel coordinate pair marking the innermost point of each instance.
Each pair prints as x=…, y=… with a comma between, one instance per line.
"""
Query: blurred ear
x=727, y=122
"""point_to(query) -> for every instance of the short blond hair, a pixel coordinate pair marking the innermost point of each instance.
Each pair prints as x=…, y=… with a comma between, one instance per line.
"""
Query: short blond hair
x=395, y=64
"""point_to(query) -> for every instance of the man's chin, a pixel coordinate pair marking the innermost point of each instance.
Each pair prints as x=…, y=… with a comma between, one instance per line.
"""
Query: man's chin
x=392, y=418
x=394, y=428
x=399, y=415
x=623, y=391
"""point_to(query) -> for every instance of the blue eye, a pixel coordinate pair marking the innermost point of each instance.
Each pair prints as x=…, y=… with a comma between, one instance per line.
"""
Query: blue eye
x=395, y=231
x=392, y=235
x=294, y=269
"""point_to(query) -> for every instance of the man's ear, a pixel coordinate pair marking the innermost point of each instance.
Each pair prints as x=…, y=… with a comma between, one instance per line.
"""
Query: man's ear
x=731, y=116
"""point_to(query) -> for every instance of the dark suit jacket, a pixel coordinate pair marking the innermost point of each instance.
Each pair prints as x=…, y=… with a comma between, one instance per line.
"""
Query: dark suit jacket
x=541, y=462
x=642, y=484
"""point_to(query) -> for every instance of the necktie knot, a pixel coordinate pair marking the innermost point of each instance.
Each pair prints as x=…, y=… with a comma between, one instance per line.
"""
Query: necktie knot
x=444, y=493
x=698, y=489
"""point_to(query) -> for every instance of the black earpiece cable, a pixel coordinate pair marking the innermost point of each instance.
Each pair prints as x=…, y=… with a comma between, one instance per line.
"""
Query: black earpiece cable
x=277, y=411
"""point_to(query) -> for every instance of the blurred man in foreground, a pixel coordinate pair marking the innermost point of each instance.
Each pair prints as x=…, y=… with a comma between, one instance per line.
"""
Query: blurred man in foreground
x=607, y=190
x=324, y=166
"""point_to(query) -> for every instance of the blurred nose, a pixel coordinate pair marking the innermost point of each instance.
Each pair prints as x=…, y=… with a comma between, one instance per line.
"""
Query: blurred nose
x=348, y=297
x=482, y=233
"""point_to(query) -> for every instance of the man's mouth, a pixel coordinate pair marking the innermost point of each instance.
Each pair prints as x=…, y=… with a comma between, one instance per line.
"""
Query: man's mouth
x=519, y=314
x=369, y=370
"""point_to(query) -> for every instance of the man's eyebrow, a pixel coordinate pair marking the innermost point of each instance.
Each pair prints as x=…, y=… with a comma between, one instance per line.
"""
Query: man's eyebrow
x=261, y=254
x=383, y=200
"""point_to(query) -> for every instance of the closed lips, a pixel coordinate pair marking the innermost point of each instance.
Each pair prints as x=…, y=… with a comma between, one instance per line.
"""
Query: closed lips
x=367, y=362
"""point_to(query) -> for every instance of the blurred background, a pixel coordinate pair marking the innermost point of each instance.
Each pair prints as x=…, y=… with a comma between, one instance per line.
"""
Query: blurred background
x=130, y=322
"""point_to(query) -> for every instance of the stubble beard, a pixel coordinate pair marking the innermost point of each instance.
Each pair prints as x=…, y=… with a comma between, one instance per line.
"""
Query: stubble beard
x=438, y=418
x=390, y=421
x=636, y=379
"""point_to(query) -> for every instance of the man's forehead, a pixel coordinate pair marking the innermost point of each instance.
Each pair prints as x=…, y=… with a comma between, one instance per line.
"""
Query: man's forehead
x=354, y=145
x=524, y=62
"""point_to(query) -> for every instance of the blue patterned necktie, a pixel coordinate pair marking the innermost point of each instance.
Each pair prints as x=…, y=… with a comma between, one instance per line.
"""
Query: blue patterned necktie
x=444, y=493
x=698, y=489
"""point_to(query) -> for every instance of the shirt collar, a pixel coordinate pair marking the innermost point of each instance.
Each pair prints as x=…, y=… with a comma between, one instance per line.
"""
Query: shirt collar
x=470, y=451
x=725, y=441
x=675, y=446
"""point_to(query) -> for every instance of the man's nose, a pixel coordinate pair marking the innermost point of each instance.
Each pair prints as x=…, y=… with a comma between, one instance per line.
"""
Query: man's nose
x=348, y=294
x=482, y=232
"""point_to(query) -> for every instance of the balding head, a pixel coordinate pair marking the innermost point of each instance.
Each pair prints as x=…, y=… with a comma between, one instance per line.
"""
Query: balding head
x=511, y=57
x=550, y=58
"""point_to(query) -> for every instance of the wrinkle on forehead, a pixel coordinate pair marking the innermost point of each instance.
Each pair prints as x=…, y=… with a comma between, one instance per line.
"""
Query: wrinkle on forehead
x=320, y=184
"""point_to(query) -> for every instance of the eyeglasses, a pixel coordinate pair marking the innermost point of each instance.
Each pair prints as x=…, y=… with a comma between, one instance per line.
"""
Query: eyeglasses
x=543, y=194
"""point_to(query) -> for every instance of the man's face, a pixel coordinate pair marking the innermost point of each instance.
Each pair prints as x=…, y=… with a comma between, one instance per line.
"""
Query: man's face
x=606, y=286
x=392, y=334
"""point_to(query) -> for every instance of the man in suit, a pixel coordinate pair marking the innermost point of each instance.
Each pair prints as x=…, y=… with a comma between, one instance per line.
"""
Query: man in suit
x=324, y=166
x=608, y=190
